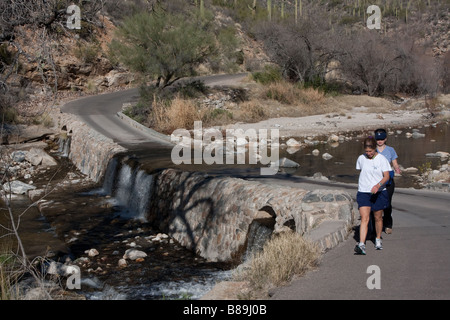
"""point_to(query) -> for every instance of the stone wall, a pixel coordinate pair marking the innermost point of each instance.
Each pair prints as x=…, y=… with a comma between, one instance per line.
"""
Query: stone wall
x=89, y=150
x=212, y=215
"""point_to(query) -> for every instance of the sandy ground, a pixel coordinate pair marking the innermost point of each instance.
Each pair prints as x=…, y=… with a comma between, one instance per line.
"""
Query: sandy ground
x=343, y=114
x=360, y=118
x=355, y=119
x=327, y=124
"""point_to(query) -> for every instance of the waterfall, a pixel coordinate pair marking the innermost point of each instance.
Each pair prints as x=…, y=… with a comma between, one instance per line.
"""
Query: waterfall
x=140, y=197
x=64, y=145
x=258, y=235
x=110, y=174
x=130, y=188
x=125, y=185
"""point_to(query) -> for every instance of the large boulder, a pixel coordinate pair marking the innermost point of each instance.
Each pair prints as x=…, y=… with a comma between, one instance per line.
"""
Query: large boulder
x=17, y=187
x=39, y=157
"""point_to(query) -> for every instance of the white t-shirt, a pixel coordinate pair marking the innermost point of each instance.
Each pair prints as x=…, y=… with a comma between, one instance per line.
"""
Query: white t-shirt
x=371, y=171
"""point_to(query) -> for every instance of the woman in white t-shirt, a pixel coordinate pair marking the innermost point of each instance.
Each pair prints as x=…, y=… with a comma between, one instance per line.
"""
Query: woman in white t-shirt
x=372, y=194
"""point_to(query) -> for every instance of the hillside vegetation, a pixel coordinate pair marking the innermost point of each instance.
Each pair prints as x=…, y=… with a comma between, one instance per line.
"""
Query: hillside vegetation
x=298, y=52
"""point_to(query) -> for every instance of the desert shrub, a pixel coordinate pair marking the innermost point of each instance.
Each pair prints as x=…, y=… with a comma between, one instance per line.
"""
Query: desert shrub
x=86, y=52
x=282, y=257
x=270, y=74
x=251, y=111
x=166, y=116
x=291, y=93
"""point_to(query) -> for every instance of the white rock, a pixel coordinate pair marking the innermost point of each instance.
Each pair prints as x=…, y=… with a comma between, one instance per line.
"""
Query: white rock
x=444, y=155
x=411, y=170
x=293, y=143
x=417, y=135
x=287, y=163
x=134, y=254
x=333, y=138
x=292, y=150
x=38, y=156
x=122, y=263
x=17, y=187
x=92, y=252
x=327, y=156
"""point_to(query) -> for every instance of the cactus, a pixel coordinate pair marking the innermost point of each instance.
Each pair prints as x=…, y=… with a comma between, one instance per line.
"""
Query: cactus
x=296, y=11
x=202, y=8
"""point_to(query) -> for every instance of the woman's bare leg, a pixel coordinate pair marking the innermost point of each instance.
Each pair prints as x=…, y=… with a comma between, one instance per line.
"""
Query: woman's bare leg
x=365, y=214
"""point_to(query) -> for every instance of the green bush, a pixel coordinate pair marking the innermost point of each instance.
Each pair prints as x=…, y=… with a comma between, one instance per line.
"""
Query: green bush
x=221, y=113
x=6, y=57
x=9, y=115
x=270, y=74
x=192, y=89
x=87, y=52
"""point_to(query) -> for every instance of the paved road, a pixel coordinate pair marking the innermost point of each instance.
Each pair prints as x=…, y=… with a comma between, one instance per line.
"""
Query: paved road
x=416, y=257
x=414, y=263
x=100, y=112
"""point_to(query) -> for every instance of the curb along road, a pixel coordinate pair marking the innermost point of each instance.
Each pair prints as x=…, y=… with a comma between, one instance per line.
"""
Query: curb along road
x=100, y=112
x=415, y=259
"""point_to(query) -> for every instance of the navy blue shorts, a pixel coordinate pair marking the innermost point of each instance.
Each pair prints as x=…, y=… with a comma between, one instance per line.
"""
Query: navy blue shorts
x=376, y=202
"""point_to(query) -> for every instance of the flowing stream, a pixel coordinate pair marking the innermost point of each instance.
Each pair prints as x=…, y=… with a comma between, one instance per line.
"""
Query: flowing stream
x=412, y=152
x=111, y=218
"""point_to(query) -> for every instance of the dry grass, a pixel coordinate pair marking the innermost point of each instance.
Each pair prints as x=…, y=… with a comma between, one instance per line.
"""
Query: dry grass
x=285, y=99
x=286, y=255
x=9, y=274
x=289, y=93
x=178, y=113
x=250, y=111
x=280, y=99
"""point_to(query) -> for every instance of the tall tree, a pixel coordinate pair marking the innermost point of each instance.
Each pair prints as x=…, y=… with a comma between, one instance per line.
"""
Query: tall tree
x=164, y=46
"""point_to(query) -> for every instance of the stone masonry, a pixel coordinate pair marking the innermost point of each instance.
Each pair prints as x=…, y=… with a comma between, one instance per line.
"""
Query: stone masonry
x=212, y=215
x=90, y=151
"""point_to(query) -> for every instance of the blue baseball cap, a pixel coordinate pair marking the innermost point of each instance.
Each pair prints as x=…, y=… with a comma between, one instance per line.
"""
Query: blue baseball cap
x=380, y=135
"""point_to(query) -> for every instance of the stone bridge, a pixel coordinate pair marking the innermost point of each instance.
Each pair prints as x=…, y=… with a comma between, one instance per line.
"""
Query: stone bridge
x=212, y=215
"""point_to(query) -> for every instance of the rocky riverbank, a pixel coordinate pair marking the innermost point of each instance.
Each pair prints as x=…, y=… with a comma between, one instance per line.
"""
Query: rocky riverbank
x=26, y=163
x=437, y=179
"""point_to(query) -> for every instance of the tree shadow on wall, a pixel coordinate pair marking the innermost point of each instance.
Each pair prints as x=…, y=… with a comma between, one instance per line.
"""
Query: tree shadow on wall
x=189, y=186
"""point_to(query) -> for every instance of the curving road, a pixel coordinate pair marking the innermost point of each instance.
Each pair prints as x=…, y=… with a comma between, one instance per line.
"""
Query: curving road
x=414, y=263
x=100, y=112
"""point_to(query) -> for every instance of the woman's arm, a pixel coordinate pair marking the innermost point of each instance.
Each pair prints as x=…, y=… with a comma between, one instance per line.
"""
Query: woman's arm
x=378, y=186
x=396, y=166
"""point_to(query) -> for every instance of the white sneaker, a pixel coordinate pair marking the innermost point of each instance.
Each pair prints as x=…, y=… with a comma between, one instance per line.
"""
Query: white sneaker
x=378, y=244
